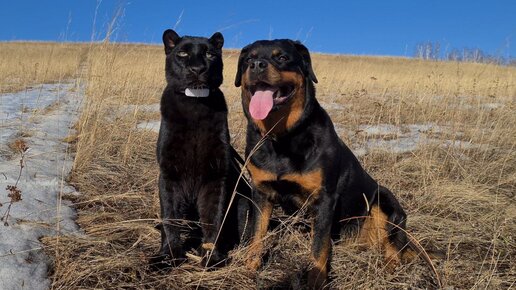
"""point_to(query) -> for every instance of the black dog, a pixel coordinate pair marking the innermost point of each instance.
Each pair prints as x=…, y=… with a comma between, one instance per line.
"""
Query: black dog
x=302, y=162
x=198, y=171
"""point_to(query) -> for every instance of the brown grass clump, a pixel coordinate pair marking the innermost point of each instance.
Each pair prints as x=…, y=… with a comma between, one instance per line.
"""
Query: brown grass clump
x=459, y=198
x=23, y=64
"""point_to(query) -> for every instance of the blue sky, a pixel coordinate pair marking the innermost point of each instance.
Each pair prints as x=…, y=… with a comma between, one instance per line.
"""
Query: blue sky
x=381, y=27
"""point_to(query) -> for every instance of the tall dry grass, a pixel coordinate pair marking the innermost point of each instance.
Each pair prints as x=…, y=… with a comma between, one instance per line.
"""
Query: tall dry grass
x=23, y=64
x=459, y=199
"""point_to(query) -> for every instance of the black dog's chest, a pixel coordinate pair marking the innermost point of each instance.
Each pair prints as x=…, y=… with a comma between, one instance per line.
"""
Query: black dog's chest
x=193, y=140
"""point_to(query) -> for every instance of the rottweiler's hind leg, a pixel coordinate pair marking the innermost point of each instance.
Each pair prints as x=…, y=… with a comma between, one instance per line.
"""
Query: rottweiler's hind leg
x=385, y=227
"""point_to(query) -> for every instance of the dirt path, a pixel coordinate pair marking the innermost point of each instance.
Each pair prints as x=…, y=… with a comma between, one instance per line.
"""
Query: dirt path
x=39, y=119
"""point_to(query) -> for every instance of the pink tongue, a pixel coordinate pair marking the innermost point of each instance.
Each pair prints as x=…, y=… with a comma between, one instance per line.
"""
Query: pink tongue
x=261, y=104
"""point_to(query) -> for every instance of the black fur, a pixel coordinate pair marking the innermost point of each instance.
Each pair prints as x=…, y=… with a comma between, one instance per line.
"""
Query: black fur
x=309, y=145
x=198, y=170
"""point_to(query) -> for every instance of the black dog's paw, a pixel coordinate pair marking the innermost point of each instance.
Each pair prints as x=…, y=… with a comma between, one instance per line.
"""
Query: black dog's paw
x=211, y=257
x=164, y=262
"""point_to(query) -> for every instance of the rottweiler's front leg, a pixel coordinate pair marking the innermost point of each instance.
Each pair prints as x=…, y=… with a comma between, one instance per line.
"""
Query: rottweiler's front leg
x=263, y=211
x=321, y=242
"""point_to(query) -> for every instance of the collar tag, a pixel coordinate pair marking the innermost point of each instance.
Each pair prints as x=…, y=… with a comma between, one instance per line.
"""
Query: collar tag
x=197, y=93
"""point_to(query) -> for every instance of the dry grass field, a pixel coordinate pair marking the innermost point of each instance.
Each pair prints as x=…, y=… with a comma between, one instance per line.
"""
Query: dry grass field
x=441, y=135
x=23, y=64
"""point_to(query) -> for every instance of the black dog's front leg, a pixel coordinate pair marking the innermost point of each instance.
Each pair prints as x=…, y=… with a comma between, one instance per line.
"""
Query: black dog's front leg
x=321, y=241
x=171, y=252
x=210, y=205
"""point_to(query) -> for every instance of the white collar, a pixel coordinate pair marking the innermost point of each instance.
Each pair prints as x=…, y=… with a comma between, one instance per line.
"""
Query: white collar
x=197, y=93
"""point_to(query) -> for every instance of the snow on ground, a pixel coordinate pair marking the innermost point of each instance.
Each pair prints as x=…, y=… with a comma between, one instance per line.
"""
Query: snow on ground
x=381, y=137
x=401, y=139
x=42, y=117
x=149, y=125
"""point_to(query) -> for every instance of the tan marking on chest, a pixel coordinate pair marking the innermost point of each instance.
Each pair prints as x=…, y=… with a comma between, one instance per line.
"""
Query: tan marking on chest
x=310, y=181
x=259, y=175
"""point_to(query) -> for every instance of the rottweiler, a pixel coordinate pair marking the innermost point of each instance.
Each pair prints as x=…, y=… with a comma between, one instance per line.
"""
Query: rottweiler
x=296, y=159
x=198, y=165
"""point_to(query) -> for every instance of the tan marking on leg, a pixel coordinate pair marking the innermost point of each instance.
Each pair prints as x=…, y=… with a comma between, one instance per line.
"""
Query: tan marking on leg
x=208, y=246
x=255, y=249
x=318, y=274
x=408, y=255
x=391, y=256
x=322, y=261
x=373, y=230
x=374, y=233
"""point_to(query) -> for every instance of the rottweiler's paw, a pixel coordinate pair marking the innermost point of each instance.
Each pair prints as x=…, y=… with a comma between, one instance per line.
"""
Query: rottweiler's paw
x=316, y=278
x=253, y=263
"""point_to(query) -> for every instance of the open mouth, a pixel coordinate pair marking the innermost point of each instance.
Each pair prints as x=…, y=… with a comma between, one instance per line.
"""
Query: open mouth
x=264, y=97
x=280, y=94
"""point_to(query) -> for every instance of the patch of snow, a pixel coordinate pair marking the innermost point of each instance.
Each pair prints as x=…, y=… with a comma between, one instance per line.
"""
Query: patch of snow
x=402, y=139
x=380, y=129
x=333, y=106
x=19, y=105
x=492, y=105
x=41, y=212
x=149, y=125
x=146, y=108
x=425, y=128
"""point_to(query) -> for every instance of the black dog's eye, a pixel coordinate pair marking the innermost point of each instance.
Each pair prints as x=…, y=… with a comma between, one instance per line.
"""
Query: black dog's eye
x=210, y=55
x=282, y=58
x=182, y=54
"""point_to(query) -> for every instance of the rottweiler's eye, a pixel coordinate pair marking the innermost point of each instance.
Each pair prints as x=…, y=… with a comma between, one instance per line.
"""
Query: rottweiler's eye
x=282, y=58
x=248, y=60
x=210, y=55
x=182, y=54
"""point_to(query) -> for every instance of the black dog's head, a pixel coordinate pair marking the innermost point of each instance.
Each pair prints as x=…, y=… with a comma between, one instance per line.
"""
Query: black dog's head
x=193, y=62
x=274, y=75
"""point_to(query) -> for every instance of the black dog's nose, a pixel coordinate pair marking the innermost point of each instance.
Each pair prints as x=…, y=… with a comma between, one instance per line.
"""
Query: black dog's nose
x=197, y=70
x=258, y=66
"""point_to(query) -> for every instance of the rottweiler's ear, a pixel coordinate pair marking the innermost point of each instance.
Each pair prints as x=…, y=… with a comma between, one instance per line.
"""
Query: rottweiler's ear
x=306, y=59
x=243, y=56
x=217, y=40
x=170, y=39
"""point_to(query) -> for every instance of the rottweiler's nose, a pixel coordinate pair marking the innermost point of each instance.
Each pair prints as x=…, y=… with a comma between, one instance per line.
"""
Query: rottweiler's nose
x=258, y=66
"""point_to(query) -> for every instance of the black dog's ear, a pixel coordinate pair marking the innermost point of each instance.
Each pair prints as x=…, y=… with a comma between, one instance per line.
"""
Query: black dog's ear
x=306, y=59
x=243, y=56
x=217, y=40
x=170, y=39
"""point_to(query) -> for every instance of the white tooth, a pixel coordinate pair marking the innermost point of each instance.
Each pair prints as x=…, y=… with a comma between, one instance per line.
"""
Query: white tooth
x=198, y=93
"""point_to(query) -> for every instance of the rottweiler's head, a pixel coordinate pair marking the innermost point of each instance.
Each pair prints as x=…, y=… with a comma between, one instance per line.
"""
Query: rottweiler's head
x=274, y=75
x=193, y=63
